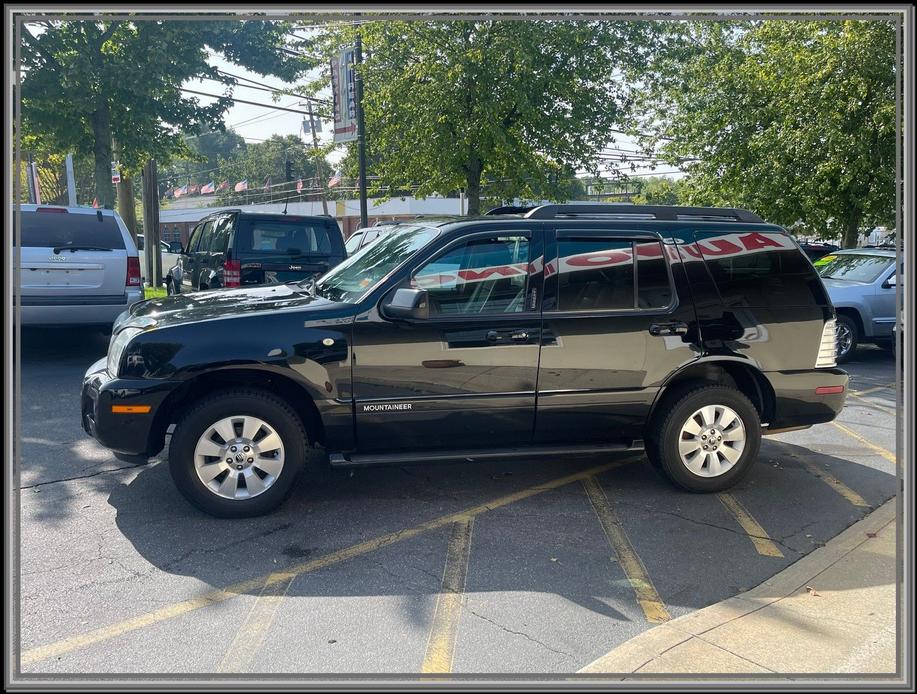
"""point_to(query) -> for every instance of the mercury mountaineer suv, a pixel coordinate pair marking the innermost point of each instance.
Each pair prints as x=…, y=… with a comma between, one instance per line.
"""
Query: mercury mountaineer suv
x=575, y=328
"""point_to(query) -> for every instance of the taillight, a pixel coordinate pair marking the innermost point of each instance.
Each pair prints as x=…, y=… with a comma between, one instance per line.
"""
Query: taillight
x=133, y=271
x=232, y=273
x=55, y=210
x=827, y=349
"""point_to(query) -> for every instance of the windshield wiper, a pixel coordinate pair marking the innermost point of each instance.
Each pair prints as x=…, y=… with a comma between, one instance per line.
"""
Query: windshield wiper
x=58, y=249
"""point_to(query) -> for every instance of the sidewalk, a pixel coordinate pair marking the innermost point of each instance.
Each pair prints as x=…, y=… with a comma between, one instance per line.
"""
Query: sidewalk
x=833, y=611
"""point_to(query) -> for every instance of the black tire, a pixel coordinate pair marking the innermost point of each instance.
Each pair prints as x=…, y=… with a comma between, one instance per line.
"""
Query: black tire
x=845, y=322
x=663, y=439
x=229, y=403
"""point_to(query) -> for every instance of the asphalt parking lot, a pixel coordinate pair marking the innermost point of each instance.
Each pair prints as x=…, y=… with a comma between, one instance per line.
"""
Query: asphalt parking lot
x=515, y=567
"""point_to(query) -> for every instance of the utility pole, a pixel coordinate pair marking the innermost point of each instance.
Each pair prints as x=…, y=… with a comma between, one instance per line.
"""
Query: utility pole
x=318, y=158
x=71, y=182
x=30, y=178
x=361, y=128
x=150, y=196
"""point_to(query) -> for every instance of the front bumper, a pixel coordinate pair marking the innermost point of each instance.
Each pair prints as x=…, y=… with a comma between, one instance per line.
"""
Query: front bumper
x=132, y=433
x=797, y=402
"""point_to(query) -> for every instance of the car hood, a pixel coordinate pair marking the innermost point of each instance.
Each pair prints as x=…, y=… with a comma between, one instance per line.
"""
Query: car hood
x=220, y=303
x=845, y=289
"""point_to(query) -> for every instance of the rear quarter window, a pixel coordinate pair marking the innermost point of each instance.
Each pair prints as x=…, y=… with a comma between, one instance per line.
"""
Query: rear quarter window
x=49, y=230
x=280, y=237
x=756, y=269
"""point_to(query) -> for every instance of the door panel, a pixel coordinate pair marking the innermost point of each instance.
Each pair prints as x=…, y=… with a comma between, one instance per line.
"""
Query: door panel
x=882, y=306
x=602, y=367
x=466, y=377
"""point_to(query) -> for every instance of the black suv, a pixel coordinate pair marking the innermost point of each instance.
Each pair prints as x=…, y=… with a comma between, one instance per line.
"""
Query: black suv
x=563, y=328
x=233, y=248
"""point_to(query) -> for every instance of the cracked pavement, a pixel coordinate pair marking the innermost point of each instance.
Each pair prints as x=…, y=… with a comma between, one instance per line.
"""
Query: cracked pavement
x=103, y=542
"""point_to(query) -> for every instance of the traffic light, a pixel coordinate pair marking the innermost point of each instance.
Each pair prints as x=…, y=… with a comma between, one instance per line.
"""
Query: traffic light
x=288, y=167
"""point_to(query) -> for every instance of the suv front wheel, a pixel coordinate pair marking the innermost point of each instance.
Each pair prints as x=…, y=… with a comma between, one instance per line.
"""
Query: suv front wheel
x=237, y=453
x=707, y=440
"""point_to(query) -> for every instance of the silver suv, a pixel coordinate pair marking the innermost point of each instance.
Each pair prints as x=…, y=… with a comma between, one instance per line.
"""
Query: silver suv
x=78, y=265
x=861, y=283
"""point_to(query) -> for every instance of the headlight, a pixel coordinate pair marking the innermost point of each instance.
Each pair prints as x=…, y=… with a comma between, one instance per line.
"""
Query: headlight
x=116, y=349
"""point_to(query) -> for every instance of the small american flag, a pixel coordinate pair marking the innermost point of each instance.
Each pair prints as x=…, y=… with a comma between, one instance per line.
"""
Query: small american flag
x=209, y=188
x=241, y=185
x=223, y=186
x=334, y=180
x=298, y=185
x=267, y=184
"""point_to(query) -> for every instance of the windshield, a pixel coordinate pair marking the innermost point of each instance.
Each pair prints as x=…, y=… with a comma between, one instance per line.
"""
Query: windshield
x=855, y=267
x=356, y=276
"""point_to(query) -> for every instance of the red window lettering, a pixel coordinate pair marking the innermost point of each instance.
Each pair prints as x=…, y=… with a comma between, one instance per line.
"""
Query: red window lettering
x=756, y=240
x=598, y=259
x=473, y=275
x=720, y=247
x=649, y=250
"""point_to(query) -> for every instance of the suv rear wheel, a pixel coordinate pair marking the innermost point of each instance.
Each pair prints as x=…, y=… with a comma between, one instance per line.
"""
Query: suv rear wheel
x=237, y=453
x=848, y=337
x=707, y=440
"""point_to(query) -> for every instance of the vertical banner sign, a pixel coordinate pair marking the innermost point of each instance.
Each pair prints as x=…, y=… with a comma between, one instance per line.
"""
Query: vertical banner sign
x=345, y=103
x=115, y=173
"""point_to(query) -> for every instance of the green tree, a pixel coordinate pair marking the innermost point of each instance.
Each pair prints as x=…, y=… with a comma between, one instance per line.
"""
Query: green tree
x=87, y=82
x=659, y=190
x=453, y=104
x=202, y=165
x=262, y=159
x=792, y=119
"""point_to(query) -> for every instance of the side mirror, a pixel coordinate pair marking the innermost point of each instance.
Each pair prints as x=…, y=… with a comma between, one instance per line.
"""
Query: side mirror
x=408, y=304
x=175, y=247
x=890, y=282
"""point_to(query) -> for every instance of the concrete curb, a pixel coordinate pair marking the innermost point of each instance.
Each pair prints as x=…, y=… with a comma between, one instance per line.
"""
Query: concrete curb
x=642, y=649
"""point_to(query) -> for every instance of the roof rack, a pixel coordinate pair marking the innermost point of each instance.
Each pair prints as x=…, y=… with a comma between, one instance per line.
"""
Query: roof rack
x=510, y=209
x=660, y=212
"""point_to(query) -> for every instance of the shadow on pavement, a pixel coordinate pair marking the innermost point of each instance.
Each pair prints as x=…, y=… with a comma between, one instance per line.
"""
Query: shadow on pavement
x=342, y=509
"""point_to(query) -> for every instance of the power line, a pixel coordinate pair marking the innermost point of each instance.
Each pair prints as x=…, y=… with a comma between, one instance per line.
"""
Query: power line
x=243, y=101
x=263, y=84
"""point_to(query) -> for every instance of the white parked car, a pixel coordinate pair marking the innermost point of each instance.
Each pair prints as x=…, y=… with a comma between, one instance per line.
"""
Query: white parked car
x=78, y=265
x=170, y=255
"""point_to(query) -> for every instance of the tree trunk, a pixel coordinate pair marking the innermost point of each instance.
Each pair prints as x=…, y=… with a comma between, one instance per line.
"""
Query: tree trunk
x=852, y=230
x=126, y=205
x=473, y=186
x=101, y=132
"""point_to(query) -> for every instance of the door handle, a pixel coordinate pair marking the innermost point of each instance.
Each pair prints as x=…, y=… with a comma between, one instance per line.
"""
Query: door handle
x=519, y=336
x=673, y=328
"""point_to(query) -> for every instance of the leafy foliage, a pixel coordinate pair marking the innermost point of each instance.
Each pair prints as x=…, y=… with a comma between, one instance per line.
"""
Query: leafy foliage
x=86, y=82
x=262, y=159
x=659, y=190
x=450, y=104
x=792, y=119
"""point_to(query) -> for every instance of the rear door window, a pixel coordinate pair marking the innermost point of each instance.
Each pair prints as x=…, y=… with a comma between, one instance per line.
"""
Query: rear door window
x=50, y=230
x=288, y=238
x=755, y=269
x=601, y=274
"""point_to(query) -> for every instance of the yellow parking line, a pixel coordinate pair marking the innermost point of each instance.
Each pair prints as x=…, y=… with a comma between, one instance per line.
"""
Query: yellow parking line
x=888, y=386
x=639, y=579
x=888, y=455
x=758, y=535
x=833, y=482
x=870, y=403
x=221, y=594
x=441, y=644
x=251, y=634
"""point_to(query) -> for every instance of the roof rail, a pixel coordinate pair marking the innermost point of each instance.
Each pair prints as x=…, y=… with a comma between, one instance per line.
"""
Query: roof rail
x=662, y=212
x=510, y=209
